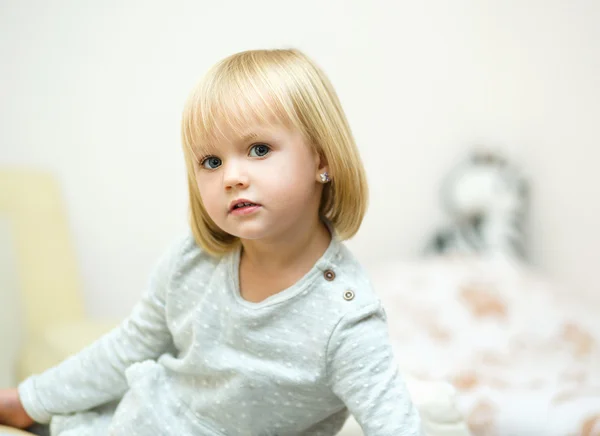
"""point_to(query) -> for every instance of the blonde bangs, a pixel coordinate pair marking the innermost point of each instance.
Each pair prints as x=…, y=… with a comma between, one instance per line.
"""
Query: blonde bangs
x=235, y=95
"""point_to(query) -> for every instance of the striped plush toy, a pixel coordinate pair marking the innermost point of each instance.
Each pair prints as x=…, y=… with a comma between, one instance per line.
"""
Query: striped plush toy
x=486, y=199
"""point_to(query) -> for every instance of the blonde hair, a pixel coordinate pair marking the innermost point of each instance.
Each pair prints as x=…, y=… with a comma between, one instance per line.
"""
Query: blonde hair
x=258, y=85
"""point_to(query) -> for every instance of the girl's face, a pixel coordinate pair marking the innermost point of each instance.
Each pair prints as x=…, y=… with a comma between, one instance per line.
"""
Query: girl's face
x=271, y=166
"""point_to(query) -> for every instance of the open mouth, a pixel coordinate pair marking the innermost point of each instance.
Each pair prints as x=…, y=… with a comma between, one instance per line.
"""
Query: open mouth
x=243, y=205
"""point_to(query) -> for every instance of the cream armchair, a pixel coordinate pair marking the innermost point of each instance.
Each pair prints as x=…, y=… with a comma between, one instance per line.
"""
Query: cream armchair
x=42, y=318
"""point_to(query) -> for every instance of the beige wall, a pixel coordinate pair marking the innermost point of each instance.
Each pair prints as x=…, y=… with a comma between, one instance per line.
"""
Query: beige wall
x=94, y=90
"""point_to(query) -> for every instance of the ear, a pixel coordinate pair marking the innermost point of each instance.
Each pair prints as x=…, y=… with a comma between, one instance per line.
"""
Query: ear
x=322, y=167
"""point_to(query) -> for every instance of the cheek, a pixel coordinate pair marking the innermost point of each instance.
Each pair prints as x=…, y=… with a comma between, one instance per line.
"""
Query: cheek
x=290, y=181
x=208, y=194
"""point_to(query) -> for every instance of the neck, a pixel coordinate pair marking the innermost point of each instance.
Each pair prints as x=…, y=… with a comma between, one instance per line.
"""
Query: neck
x=296, y=249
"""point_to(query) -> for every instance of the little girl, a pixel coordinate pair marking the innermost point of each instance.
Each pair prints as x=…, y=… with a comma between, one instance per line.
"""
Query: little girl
x=260, y=321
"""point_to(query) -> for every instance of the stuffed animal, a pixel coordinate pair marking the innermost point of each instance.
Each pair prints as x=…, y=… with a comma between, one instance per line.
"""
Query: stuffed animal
x=486, y=199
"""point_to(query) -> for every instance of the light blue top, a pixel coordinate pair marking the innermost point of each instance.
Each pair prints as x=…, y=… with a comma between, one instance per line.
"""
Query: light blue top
x=195, y=358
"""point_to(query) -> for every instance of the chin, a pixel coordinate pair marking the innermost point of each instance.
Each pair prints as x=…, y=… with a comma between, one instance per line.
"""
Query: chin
x=247, y=230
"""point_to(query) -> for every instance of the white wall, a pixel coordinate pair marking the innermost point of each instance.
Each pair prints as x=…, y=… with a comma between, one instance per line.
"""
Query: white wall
x=94, y=91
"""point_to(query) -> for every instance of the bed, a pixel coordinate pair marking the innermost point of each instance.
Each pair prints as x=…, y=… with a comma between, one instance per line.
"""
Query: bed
x=522, y=353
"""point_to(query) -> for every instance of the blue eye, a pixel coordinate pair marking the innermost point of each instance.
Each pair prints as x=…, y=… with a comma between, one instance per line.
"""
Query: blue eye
x=260, y=150
x=212, y=161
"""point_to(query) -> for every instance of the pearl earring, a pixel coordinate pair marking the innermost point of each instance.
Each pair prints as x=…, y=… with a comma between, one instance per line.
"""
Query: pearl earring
x=324, y=177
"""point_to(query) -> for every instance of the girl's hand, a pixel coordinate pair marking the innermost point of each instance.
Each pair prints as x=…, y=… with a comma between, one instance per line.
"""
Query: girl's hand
x=11, y=410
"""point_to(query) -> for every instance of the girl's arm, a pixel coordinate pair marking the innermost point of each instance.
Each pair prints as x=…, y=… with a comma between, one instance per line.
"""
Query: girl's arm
x=363, y=373
x=96, y=374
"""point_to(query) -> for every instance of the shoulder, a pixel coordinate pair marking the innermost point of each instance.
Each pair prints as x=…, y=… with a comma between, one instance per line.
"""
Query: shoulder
x=350, y=289
x=360, y=324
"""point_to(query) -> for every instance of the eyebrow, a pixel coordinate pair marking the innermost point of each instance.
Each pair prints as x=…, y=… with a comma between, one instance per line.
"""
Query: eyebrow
x=243, y=138
x=248, y=136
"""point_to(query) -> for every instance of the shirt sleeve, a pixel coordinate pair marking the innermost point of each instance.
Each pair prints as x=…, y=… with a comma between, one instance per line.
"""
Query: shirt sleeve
x=96, y=374
x=363, y=373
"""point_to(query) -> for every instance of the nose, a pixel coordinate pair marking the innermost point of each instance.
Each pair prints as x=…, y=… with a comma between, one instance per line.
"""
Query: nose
x=234, y=175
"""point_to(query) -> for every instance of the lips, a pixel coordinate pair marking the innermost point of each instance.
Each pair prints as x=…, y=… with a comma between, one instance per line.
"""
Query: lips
x=241, y=203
